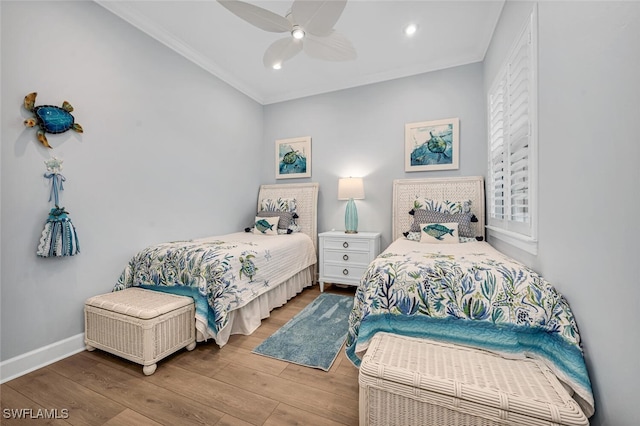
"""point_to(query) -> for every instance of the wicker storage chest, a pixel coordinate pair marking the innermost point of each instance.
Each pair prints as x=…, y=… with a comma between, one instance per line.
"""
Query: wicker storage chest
x=140, y=325
x=409, y=381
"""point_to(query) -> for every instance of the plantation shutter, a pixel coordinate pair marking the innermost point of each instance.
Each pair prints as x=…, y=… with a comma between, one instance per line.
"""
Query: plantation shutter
x=512, y=139
x=519, y=95
x=497, y=152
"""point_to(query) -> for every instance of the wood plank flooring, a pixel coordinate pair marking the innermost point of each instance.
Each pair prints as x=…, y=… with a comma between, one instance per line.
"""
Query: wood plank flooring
x=208, y=386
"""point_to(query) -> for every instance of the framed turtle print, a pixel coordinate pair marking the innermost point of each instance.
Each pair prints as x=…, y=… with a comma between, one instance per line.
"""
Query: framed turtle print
x=431, y=145
x=293, y=158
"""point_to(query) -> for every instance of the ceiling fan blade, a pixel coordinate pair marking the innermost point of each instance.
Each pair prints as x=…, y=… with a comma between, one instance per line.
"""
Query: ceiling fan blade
x=334, y=47
x=280, y=51
x=317, y=17
x=257, y=16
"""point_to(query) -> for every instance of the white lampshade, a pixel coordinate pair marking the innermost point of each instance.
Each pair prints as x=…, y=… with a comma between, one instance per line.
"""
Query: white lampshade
x=350, y=188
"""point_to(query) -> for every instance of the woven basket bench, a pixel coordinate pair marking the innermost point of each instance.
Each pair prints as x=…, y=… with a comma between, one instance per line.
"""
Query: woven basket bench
x=140, y=325
x=409, y=381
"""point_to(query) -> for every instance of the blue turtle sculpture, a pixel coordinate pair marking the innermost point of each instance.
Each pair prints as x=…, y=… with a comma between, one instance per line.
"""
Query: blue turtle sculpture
x=49, y=118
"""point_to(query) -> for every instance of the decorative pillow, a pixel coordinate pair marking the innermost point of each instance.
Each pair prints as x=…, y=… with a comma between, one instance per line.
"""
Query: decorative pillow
x=279, y=205
x=286, y=218
x=439, y=233
x=421, y=216
x=412, y=236
x=266, y=225
x=446, y=206
x=415, y=236
x=469, y=240
x=294, y=227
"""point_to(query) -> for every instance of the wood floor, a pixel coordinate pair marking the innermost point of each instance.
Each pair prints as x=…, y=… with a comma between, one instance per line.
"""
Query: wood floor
x=208, y=386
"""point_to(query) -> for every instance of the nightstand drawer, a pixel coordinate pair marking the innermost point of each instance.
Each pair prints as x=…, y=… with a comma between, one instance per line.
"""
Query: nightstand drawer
x=344, y=272
x=348, y=257
x=350, y=244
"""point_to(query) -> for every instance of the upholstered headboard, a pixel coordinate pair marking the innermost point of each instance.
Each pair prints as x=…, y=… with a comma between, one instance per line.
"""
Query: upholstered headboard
x=452, y=189
x=306, y=195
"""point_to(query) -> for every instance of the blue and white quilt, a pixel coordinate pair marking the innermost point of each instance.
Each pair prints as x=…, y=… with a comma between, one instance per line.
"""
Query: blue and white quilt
x=473, y=295
x=221, y=273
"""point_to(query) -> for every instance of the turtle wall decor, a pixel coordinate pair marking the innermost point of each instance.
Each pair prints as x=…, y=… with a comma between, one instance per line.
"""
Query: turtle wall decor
x=49, y=118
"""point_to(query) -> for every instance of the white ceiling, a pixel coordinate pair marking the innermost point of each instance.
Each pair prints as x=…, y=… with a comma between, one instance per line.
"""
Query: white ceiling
x=450, y=33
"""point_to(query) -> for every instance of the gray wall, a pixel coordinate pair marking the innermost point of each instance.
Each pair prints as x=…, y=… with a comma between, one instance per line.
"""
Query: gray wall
x=360, y=132
x=159, y=159
x=589, y=110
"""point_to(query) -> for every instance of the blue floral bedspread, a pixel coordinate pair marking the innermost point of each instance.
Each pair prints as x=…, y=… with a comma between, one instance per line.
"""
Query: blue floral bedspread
x=473, y=295
x=221, y=273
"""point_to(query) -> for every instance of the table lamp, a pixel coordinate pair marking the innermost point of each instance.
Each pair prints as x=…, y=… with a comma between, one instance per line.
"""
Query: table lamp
x=350, y=189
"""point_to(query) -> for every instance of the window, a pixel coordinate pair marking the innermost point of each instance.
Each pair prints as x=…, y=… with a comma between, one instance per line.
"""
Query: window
x=512, y=124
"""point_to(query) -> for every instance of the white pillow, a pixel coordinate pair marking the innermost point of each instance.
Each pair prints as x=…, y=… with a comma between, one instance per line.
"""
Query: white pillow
x=439, y=233
x=266, y=225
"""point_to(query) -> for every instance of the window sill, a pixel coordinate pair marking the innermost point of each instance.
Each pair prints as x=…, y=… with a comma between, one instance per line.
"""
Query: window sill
x=520, y=241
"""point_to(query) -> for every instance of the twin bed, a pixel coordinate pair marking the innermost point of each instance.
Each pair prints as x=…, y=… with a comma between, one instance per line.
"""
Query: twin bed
x=461, y=291
x=237, y=279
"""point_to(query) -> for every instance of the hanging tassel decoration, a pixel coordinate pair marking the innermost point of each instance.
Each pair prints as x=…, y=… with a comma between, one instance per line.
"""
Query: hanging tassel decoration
x=59, y=237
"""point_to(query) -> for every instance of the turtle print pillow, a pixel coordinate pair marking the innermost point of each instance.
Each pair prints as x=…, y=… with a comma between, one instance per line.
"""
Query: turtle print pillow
x=439, y=233
x=266, y=225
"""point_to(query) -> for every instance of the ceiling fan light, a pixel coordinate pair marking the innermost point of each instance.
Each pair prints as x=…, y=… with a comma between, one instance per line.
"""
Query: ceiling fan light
x=297, y=32
x=410, y=30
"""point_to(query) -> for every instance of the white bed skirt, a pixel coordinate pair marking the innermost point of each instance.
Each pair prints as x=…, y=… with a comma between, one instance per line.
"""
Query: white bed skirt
x=247, y=319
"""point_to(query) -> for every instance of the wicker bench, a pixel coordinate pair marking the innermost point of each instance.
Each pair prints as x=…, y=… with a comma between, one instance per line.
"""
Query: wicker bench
x=409, y=381
x=140, y=325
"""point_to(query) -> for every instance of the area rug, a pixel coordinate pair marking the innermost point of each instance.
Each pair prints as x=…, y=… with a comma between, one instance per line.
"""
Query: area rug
x=313, y=337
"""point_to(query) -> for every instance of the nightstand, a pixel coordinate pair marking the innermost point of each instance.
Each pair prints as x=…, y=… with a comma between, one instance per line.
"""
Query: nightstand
x=344, y=257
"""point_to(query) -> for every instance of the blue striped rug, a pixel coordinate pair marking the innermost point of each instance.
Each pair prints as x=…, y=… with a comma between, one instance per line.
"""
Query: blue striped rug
x=313, y=337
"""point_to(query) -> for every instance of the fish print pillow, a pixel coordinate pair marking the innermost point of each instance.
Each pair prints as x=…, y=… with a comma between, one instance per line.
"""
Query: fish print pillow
x=439, y=233
x=415, y=236
x=266, y=225
x=286, y=218
x=464, y=220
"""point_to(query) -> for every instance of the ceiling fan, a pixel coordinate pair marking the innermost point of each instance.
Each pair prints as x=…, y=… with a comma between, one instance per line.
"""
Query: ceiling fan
x=310, y=24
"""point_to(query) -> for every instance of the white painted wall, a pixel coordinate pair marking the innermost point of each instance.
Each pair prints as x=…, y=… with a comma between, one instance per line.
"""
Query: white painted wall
x=360, y=132
x=589, y=109
x=169, y=152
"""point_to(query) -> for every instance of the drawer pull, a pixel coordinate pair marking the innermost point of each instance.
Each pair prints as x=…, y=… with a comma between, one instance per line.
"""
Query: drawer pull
x=345, y=244
x=345, y=257
x=345, y=271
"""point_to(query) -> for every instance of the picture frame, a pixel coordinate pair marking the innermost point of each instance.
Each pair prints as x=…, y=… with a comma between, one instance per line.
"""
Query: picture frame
x=293, y=158
x=431, y=145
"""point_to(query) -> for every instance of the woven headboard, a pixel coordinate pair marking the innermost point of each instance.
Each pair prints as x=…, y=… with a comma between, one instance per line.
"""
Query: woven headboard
x=452, y=189
x=306, y=195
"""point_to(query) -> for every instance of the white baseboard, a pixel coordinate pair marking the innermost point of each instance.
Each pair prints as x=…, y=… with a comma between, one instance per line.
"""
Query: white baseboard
x=38, y=358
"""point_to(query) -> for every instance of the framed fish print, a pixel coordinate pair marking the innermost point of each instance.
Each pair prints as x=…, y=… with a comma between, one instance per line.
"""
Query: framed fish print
x=293, y=158
x=431, y=145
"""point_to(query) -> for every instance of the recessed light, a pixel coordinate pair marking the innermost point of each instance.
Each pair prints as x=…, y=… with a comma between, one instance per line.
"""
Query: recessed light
x=410, y=30
x=277, y=66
